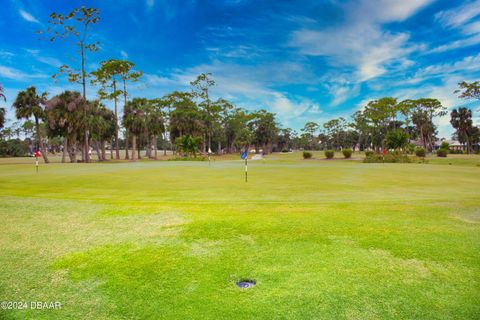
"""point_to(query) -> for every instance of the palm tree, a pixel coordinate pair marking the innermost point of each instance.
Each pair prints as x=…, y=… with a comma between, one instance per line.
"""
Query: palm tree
x=127, y=74
x=185, y=117
x=101, y=126
x=27, y=104
x=2, y=118
x=65, y=117
x=155, y=122
x=134, y=120
x=461, y=120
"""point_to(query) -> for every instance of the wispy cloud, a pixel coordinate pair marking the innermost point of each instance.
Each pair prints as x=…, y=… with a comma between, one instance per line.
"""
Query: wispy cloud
x=27, y=16
x=464, y=18
x=361, y=42
x=124, y=54
x=51, y=61
x=15, y=74
x=463, y=66
x=461, y=43
x=458, y=17
x=247, y=86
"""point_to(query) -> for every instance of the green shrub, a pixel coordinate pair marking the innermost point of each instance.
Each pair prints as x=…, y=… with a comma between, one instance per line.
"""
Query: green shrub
x=13, y=148
x=442, y=152
x=410, y=148
x=188, y=159
x=395, y=157
x=347, y=153
x=396, y=139
x=420, y=152
x=329, y=154
x=307, y=155
x=445, y=145
x=368, y=153
x=188, y=144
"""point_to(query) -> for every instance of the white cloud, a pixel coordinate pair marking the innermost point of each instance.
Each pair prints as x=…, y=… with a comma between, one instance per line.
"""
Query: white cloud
x=361, y=42
x=459, y=16
x=467, y=64
x=465, y=42
x=54, y=62
x=27, y=16
x=247, y=86
x=472, y=28
x=15, y=74
x=51, y=61
x=341, y=90
x=444, y=92
x=124, y=54
x=6, y=54
x=464, y=18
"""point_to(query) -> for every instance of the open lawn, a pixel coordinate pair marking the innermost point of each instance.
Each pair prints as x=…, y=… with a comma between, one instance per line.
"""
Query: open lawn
x=168, y=239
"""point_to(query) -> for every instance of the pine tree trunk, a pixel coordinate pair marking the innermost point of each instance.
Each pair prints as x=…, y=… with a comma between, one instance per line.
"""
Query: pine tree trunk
x=204, y=144
x=117, y=143
x=85, y=135
x=219, y=147
x=65, y=149
x=164, y=144
x=97, y=150
x=469, y=145
x=73, y=153
x=40, y=141
x=134, y=146
x=155, y=144
x=102, y=147
x=209, y=141
x=111, y=149
x=127, y=157
x=148, y=149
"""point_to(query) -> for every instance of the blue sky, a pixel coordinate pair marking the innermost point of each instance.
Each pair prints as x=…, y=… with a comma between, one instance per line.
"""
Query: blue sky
x=304, y=60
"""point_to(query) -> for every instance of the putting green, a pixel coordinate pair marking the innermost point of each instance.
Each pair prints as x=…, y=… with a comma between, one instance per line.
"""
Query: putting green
x=169, y=240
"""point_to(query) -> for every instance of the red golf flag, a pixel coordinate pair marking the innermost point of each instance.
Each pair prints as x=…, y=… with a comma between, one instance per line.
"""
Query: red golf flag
x=37, y=154
x=385, y=151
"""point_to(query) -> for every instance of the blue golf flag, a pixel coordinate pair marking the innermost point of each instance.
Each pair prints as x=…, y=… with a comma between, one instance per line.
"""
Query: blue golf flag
x=244, y=154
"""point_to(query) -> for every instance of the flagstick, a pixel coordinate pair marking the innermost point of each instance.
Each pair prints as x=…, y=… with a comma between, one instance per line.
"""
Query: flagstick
x=246, y=170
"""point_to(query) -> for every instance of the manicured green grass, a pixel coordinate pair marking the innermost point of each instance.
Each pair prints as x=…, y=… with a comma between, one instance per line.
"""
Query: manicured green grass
x=167, y=240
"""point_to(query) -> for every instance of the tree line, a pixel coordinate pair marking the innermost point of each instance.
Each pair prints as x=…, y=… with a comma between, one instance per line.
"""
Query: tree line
x=191, y=122
x=387, y=123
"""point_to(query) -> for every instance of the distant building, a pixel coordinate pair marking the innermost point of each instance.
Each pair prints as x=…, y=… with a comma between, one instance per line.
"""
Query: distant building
x=455, y=145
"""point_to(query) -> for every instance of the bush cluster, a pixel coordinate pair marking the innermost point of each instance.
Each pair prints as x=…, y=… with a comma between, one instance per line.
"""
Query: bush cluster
x=389, y=158
x=442, y=152
x=368, y=153
x=329, y=154
x=410, y=148
x=13, y=148
x=453, y=151
x=420, y=152
x=307, y=155
x=347, y=153
x=188, y=159
x=445, y=145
